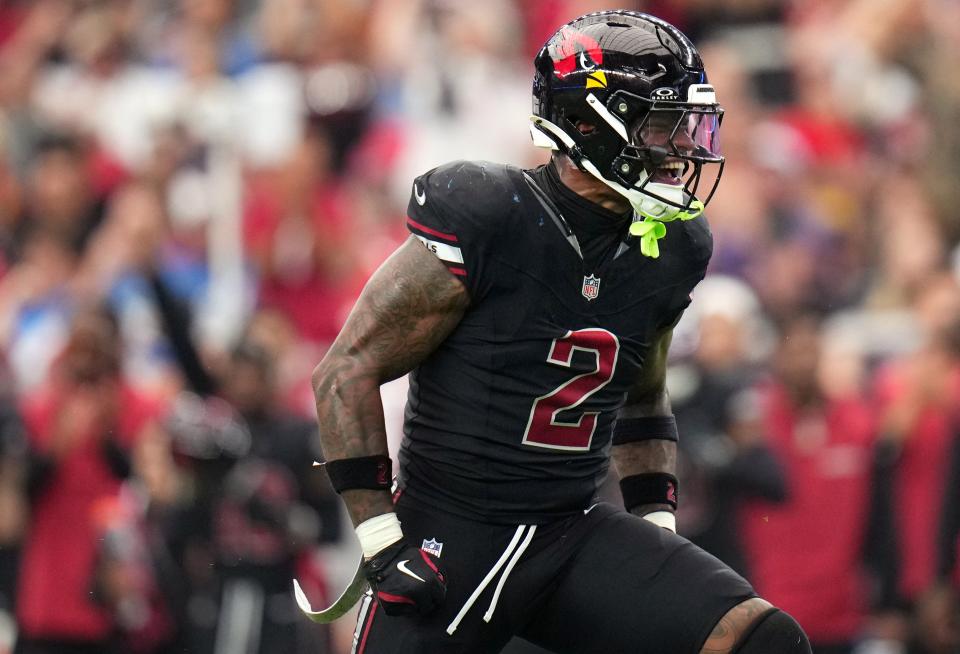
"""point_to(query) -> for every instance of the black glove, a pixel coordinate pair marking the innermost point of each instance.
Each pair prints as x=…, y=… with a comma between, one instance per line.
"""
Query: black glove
x=405, y=579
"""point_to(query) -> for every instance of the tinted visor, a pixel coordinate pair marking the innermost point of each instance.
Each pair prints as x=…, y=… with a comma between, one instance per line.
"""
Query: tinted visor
x=689, y=132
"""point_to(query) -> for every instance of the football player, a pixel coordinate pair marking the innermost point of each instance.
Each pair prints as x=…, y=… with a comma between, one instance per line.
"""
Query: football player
x=533, y=310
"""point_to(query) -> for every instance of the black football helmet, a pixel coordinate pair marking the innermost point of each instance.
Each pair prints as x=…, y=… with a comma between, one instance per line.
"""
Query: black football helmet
x=625, y=95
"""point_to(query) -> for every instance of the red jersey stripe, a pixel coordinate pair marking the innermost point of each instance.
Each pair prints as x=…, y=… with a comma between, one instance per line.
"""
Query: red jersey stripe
x=457, y=271
x=426, y=230
x=390, y=597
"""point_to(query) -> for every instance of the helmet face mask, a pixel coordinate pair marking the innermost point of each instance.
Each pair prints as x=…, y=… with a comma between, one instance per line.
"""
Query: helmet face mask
x=671, y=145
x=640, y=84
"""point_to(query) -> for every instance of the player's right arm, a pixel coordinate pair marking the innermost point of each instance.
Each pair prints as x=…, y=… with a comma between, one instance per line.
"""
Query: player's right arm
x=409, y=306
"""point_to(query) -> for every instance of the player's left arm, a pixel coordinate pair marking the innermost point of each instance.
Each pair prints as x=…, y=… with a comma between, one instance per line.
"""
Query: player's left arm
x=645, y=441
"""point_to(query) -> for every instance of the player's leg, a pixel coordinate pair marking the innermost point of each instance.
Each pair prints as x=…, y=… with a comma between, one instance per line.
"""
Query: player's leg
x=635, y=587
x=755, y=626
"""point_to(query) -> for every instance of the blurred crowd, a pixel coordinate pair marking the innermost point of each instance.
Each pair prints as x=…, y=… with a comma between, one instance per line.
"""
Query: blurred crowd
x=192, y=193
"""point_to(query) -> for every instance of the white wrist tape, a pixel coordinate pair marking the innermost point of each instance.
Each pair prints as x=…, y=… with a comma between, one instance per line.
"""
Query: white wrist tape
x=378, y=532
x=663, y=519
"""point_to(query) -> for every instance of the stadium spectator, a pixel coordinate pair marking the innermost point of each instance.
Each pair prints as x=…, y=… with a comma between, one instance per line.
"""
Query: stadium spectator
x=917, y=395
x=82, y=427
x=724, y=458
x=824, y=438
x=296, y=225
x=258, y=505
x=273, y=506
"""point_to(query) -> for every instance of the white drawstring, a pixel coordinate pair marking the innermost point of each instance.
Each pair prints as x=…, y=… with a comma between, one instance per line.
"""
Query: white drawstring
x=486, y=580
x=506, y=573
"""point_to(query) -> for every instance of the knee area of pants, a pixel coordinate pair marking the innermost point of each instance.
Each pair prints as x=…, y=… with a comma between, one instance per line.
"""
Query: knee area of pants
x=776, y=633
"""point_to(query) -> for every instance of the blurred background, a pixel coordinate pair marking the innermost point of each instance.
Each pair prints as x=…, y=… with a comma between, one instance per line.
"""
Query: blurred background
x=193, y=192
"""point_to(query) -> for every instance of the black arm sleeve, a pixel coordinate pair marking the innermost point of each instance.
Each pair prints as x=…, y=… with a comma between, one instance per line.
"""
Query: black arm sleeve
x=950, y=516
x=176, y=324
x=880, y=549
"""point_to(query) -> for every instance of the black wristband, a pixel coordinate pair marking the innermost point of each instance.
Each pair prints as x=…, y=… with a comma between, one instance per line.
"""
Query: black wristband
x=367, y=472
x=631, y=430
x=649, y=488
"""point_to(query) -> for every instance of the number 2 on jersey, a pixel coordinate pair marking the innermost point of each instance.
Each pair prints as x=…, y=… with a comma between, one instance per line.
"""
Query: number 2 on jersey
x=544, y=428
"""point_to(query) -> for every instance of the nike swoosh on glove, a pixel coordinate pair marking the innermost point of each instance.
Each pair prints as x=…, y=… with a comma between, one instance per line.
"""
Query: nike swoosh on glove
x=405, y=579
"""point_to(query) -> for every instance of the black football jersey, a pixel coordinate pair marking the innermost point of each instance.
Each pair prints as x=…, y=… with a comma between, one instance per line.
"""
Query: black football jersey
x=509, y=420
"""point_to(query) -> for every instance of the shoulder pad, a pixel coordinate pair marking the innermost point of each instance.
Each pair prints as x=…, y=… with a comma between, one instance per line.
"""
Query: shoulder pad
x=477, y=184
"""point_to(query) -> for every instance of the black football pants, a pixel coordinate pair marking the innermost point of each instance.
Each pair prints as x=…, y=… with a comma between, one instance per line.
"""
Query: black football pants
x=601, y=581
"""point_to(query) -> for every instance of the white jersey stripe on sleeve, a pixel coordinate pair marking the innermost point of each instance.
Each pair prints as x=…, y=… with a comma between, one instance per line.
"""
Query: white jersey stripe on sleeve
x=443, y=251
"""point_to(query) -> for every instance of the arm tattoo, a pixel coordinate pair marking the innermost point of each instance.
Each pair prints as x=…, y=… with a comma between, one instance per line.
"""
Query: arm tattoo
x=409, y=306
x=732, y=626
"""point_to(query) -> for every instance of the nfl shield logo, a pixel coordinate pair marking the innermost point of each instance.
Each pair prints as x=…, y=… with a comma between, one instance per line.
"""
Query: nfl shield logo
x=432, y=547
x=591, y=287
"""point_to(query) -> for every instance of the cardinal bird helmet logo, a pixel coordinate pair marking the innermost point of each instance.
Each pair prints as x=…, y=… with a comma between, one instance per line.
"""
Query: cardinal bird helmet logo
x=577, y=51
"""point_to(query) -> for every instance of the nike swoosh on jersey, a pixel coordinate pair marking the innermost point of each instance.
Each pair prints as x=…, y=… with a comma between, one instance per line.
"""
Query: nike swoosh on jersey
x=402, y=567
x=421, y=196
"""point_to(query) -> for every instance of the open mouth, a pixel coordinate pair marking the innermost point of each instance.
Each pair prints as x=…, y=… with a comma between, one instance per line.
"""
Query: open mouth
x=670, y=172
